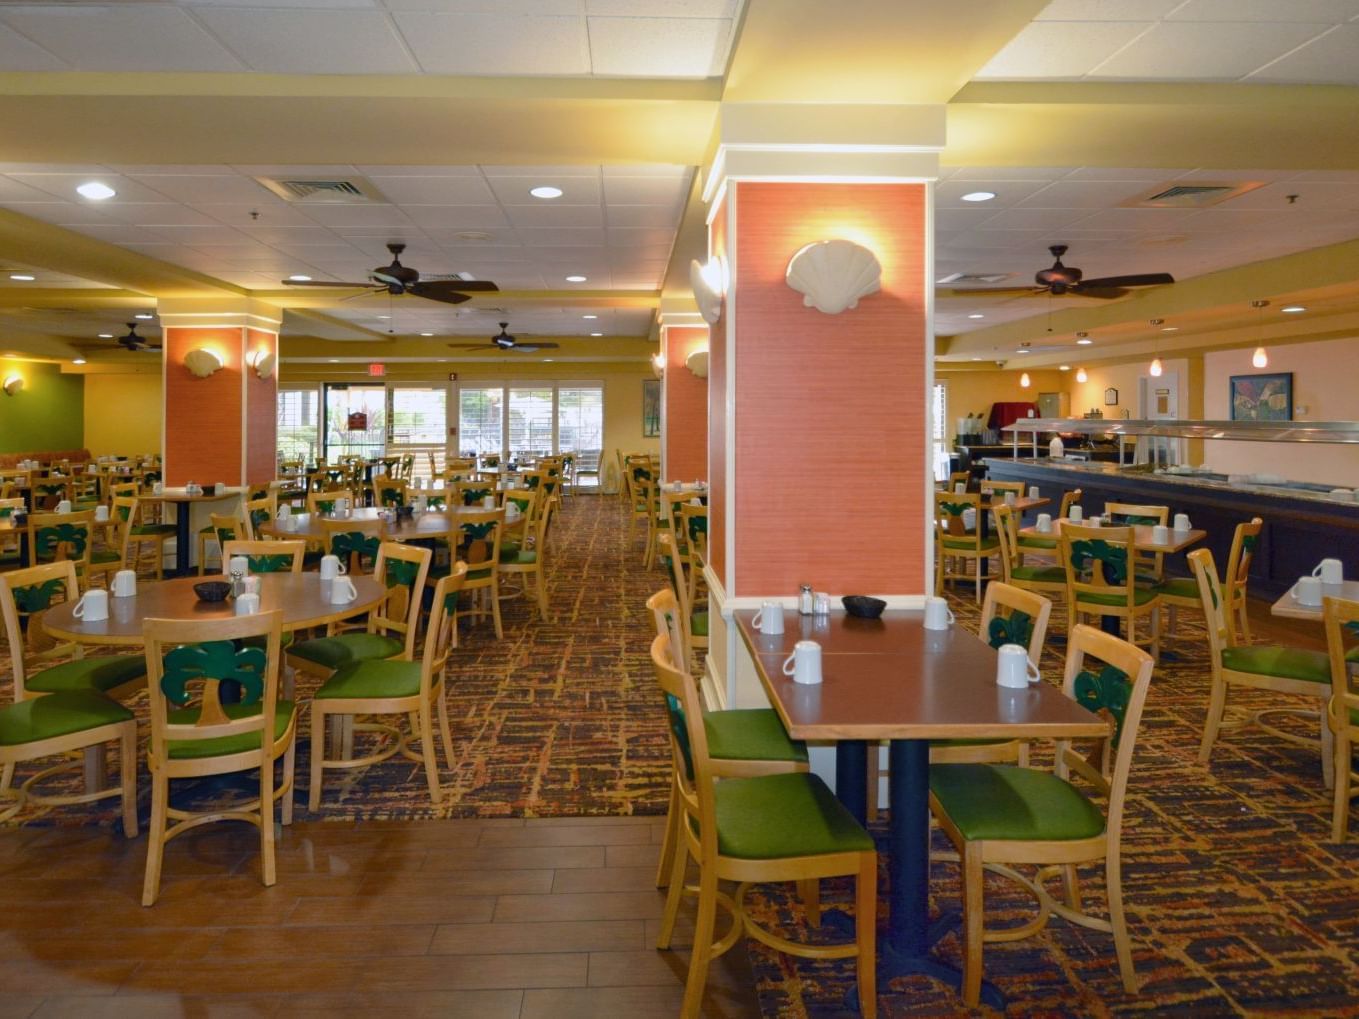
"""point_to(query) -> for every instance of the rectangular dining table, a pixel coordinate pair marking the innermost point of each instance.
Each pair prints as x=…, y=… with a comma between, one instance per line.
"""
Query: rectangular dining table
x=1290, y=608
x=892, y=679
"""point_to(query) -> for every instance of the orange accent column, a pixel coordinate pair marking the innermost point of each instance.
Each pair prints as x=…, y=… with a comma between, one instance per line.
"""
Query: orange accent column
x=684, y=431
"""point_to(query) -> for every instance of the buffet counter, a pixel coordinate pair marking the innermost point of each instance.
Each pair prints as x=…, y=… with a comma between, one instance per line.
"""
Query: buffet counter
x=1302, y=524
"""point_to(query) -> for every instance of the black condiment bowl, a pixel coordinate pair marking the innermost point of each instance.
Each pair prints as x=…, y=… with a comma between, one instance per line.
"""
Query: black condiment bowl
x=863, y=606
x=212, y=590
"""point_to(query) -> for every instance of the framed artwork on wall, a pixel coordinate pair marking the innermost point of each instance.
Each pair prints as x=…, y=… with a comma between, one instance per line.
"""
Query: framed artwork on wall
x=1262, y=397
x=651, y=408
x=1111, y=397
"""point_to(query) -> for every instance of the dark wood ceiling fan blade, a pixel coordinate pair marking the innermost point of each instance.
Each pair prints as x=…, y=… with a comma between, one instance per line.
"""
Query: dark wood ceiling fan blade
x=468, y=286
x=1146, y=279
x=1102, y=293
x=529, y=348
x=438, y=292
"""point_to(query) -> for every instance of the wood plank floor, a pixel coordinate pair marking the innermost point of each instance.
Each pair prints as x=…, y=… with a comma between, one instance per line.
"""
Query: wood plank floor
x=495, y=919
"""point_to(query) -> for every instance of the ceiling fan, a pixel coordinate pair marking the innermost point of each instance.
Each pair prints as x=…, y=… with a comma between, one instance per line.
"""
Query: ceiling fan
x=1067, y=279
x=400, y=279
x=504, y=341
x=134, y=342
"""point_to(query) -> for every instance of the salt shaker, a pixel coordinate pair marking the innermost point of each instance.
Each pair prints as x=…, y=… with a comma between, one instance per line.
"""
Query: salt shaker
x=822, y=604
x=806, y=601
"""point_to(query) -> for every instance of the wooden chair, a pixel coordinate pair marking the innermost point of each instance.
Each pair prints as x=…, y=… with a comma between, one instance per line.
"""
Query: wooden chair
x=267, y=556
x=194, y=733
x=957, y=478
x=355, y=542
x=1298, y=672
x=1150, y=566
x=389, y=630
x=781, y=827
x=957, y=542
x=53, y=537
x=481, y=536
x=389, y=492
x=258, y=513
x=1183, y=592
x=1046, y=579
x=999, y=815
x=1009, y=615
x=527, y=557
x=141, y=538
x=694, y=526
x=474, y=493
x=1342, y=630
x=9, y=541
x=220, y=530
x=327, y=502
x=1100, y=580
x=398, y=687
x=1047, y=543
x=693, y=623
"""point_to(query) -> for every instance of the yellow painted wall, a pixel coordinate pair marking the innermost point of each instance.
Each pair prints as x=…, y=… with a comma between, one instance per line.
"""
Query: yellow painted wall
x=974, y=391
x=122, y=414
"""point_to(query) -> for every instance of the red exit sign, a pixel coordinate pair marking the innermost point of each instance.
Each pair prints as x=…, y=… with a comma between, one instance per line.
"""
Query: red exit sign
x=377, y=370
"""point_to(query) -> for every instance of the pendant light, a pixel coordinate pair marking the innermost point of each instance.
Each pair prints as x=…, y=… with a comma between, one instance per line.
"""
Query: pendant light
x=1024, y=381
x=1081, y=376
x=1156, y=367
x=1260, y=359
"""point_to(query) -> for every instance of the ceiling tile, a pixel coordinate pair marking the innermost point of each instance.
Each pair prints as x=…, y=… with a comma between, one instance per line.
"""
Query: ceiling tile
x=1148, y=173
x=576, y=190
x=1060, y=49
x=1082, y=194
x=1330, y=59
x=516, y=7
x=495, y=44
x=663, y=8
x=230, y=187
x=310, y=42
x=1136, y=219
x=1311, y=196
x=633, y=217
x=667, y=191
x=1107, y=10
x=157, y=214
x=593, y=237
x=255, y=214
x=1030, y=219
x=459, y=217
x=659, y=47
x=63, y=185
x=396, y=170
x=20, y=54
x=63, y=213
x=196, y=235
x=434, y=190
x=555, y=217
x=949, y=194
x=122, y=37
x=358, y=215
x=1331, y=12
x=1199, y=51
x=13, y=192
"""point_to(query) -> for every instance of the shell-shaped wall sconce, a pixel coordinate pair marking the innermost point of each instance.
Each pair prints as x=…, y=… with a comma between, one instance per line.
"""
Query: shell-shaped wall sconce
x=709, y=286
x=202, y=363
x=658, y=365
x=831, y=276
x=697, y=362
x=264, y=364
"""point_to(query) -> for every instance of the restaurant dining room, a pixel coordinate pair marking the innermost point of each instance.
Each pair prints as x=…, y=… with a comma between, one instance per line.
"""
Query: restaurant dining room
x=677, y=508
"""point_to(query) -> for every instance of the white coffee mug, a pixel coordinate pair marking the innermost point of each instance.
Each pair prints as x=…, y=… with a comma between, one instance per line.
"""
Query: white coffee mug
x=238, y=564
x=488, y=502
x=1160, y=534
x=101, y=514
x=331, y=567
x=1181, y=521
x=969, y=518
x=342, y=590
x=1307, y=591
x=157, y=489
x=124, y=584
x=938, y=616
x=64, y=506
x=959, y=488
x=1033, y=491
x=219, y=488
x=247, y=604
x=1093, y=522
x=1331, y=571
x=1013, y=668
x=1009, y=498
x=769, y=619
x=285, y=511
x=1045, y=523
x=804, y=664
x=93, y=606
x=251, y=585
x=1075, y=513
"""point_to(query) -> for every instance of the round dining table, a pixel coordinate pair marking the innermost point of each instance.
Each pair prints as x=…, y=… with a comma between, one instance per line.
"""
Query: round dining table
x=310, y=526
x=303, y=597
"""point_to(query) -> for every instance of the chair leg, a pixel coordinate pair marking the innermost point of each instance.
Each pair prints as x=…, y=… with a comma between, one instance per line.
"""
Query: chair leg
x=1327, y=752
x=1072, y=882
x=429, y=752
x=701, y=955
x=445, y=731
x=318, y=751
x=1340, y=811
x=155, y=842
x=494, y=590
x=268, y=869
x=674, y=894
x=1245, y=620
x=1217, y=704
x=1119, y=922
x=973, y=900
x=866, y=933
x=670, y=840
x=874, y=774
x=540, y=586
x=809, y=891
x=289, y=781
x=127, y=777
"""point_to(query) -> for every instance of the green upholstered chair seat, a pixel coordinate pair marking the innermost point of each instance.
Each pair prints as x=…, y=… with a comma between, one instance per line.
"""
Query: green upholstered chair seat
x=382, y=678
x=100, y=556
x=794, y=814
x=1039, y=574
x=698, y=624
x=223, y=746
x=475, y=574
x=1000, y=801
x=261, y=641
x=150, y=530
x=1352, y=655
x=345, y=648
x=99, y=673
x=1285, y=662
x=1179, y=588
x=58, y=714
x=1037, y=541
x=518, y=557
x=751, y=734
x=1141, y=596
x=987, y=543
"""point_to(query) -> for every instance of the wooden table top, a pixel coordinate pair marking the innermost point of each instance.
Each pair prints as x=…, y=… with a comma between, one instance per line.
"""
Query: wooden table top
x=303, y=597
x=1142, y=539
x=170, y=495
x=890, y=678
x=425, y=525
x=1021, y=504
x=1291, y=608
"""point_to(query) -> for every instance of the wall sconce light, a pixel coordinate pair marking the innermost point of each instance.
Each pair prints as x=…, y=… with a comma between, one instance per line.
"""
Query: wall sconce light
x=697, y=362
x=263, y=361
x=658, y=364
x=831, y=276
x=709, y=283
x=13, y=383
x=202, y=362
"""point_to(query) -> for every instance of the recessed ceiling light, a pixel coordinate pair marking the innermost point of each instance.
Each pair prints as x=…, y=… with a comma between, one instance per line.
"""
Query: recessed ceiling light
x=22, y=277
x=384, y=316
x=976, y=359
x=596, y=334
x=95, y=191
x=333, y=360
x=979, y=196
x=589, y=316
x=471, y=235
x=426, y=334
x=576, y=279
x=1064, y=367
x=1022, y=350
x=106, y=336
x=976, y=314
x=1170, y=329
x=77, y=360
x=1287, y=309
x=299, y=278
x=144, y=315
x=547, y=360
x=1085, y=341
x=545, y=191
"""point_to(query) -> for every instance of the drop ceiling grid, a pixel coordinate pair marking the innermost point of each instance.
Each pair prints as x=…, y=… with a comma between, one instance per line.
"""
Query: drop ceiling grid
x=642, y=38
x=1297, y=42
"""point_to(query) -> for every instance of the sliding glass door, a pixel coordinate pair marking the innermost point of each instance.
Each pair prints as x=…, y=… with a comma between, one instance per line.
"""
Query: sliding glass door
x=533, y=418
x=419, y=425
x=356, y=420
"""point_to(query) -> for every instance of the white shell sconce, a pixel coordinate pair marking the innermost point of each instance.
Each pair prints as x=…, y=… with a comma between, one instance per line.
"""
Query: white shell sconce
x=697, y=362
x=658, y=365
x=264, y=362
x=202, y=363
x=833, y=275
x=708, y=280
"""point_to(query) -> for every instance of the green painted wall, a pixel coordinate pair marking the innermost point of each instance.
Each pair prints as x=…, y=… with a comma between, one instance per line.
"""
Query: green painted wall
x=47, y=414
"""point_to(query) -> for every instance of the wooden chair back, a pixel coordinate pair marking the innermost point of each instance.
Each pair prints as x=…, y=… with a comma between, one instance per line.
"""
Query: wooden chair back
x=666, y=544
x=665, y=612
x=688, y=748
x=949, y=511
x=474, y=493
x=49, y=491
x=57, y=536
x=463, y=464
x=353, y=541
x=25, y=595
x=187, y=661
x=526, y=501
x=694, y=525
x=388, y=491
x=1127, y=514
x=227, y=528
x=319, y=502
x=1245, y=541
x=267, y=556
x=1011, y=615
x=1001, y=488
x=439, y=635
x=1069, y=498
x=1341, y=618
x=1099, y=560
x=1007, y=533
x=1220, y=635
x=402, y=569
x=482, y=533
x=259, y=512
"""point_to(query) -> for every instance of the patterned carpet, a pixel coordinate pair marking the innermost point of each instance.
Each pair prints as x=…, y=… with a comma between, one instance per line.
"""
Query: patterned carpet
x=1238, y=902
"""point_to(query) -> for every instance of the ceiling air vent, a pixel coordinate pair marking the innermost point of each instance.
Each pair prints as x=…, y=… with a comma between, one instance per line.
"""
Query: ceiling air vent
x=966, y=278
x=1199, y=195
x=314, y=191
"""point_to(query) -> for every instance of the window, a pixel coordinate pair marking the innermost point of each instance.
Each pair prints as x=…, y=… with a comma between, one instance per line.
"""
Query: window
x=481, y=419
x=356, y=420
x=939, y=430
x=536, y=417
x=531, y=420
x=580, y=428
x=297, y=434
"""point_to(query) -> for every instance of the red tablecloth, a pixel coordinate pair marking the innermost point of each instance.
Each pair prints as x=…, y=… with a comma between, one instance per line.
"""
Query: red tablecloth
x=1003, y=414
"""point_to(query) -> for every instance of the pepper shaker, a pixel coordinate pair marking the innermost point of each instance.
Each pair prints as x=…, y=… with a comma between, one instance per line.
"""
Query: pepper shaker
x=806, y=601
